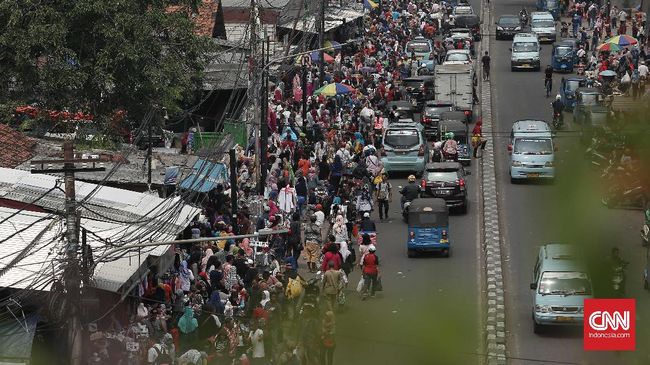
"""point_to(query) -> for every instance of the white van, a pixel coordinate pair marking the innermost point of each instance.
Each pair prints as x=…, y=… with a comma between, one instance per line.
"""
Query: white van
x=542, y=23
x=525, y=52
x=532, y=152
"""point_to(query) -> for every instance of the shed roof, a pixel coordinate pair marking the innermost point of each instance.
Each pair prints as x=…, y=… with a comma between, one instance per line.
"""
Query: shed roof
x=305, y=19
x=112, y=217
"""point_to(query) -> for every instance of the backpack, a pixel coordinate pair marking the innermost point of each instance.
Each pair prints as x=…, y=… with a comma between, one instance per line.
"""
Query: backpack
x=163, y=356
x=383, y=191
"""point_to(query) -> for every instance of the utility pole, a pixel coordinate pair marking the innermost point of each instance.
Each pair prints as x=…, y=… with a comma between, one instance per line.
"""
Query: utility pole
x=264, y=126
x=321, y=42
x=254, y=86
x=234, y=189
x=71, y=275
x=304, y=90
x=149, y=155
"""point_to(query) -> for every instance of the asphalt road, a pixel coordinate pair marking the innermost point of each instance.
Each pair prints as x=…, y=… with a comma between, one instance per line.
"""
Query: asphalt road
x=567, y=211
x=429, y=308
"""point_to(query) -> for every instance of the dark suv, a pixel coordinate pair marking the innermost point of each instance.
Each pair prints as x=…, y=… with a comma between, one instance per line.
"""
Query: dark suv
x=446, y=180
x=420, y=88
x=431, y=115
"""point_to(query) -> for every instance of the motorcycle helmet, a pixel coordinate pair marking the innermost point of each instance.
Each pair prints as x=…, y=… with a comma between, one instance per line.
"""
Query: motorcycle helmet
x=558, y=97
x=372, y=248
x=313, y=218
x=411, y=178
x=449, y=135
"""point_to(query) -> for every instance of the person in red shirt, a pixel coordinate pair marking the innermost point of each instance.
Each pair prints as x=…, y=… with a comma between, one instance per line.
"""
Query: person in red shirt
x=370, y=270
x=332, y=254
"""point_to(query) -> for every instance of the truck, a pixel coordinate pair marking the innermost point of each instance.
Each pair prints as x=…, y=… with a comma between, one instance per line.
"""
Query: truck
x=456, y=83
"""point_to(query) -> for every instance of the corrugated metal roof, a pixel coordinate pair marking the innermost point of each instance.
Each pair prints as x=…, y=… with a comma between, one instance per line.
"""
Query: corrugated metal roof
x=40, y=263
x=333, y=19
x=112, y=216
x=107, y=203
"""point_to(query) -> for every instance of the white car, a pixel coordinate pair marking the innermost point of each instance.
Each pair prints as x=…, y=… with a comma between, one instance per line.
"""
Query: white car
x=458, y=57
x=460, y=32
x=462, y=10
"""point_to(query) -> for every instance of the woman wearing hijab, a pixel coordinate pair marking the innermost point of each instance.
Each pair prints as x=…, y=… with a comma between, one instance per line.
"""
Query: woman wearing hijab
x=204, y=261
x=266, y=298
x=187, y=324
x=246, y=246
x=340, y=229
x=185, y=277
x=347, y=256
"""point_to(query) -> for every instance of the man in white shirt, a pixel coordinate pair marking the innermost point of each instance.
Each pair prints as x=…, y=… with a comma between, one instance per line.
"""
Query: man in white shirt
x=320, y=216
x=622, y=16
x=344, y=154
x=643, y=70
x=256, y=337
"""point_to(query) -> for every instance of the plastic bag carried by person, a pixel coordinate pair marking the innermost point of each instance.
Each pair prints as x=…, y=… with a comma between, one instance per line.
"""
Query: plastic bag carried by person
x=294, y=289
x=360, y=285
x=625, y=79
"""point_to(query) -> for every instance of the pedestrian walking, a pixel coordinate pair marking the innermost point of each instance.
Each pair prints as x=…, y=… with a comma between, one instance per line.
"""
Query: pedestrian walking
x=485, y=61
x=370, y=269
x=331, y=285
x=478, y=141
x=256, y=339
x=384, y=195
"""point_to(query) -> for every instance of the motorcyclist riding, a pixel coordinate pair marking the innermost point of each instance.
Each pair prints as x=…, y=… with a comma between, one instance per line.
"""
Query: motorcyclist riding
x=410, y=192
x=423, y=70
x=523, y=16
x=558, y=107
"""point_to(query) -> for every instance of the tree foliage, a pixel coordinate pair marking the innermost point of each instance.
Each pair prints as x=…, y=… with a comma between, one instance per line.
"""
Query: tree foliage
x=99, y=56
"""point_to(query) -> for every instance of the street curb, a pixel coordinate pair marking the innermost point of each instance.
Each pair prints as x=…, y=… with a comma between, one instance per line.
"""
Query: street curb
x=495, y=329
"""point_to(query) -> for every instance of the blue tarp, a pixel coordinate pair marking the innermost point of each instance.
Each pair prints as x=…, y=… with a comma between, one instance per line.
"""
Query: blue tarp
x=205, y=176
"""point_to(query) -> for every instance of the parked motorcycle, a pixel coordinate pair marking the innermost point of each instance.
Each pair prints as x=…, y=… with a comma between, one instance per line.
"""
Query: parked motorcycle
x=618, y=279
x=645, y=230
x=631, y=196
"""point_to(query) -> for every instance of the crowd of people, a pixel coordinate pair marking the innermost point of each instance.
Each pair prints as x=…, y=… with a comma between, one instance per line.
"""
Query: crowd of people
x=243, y=300
x=592, y=24
x=226, y=300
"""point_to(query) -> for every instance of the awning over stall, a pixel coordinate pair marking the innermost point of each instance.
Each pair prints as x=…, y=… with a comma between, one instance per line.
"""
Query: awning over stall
x=205, y=176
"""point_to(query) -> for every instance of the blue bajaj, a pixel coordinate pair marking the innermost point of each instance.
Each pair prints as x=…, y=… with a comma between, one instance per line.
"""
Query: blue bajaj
x=428, y=229
x=563, y=57
x=567, y=90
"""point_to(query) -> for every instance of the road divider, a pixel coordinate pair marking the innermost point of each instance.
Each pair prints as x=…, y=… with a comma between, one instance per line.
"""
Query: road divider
x=495, y=323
